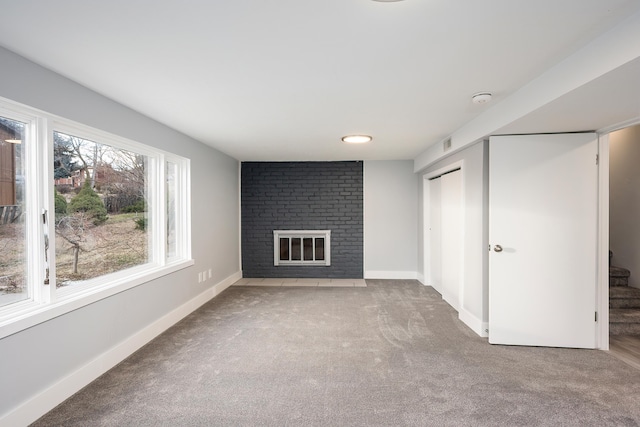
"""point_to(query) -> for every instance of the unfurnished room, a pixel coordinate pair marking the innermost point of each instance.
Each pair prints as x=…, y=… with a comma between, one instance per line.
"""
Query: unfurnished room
x=313, y=213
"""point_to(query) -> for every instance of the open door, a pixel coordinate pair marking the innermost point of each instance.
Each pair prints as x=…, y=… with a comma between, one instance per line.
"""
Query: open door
x=543, y=240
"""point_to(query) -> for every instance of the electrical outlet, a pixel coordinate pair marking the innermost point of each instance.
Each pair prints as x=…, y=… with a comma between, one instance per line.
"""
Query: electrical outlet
x=199, y=277
x=210, y=274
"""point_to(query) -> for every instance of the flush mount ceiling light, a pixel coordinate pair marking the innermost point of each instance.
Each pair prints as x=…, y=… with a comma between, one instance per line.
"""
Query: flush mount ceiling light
x=356, y=139
x=481, y=98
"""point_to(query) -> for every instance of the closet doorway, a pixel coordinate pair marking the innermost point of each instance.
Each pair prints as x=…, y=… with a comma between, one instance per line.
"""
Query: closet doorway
x=446, y=233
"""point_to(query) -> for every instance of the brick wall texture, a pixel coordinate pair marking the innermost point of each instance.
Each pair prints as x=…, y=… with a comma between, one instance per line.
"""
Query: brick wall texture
x=302, y=196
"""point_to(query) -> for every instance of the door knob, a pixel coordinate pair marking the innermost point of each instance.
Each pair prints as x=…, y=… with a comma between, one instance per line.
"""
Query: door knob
x=497, y=248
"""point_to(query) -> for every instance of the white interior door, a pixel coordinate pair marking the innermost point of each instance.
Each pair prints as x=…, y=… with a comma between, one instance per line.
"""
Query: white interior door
x=543, y=240
x=435, y=235
x=451, y=239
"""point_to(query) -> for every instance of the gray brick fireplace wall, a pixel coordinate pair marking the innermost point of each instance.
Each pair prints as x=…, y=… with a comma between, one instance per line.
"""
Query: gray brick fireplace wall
x=302, y=196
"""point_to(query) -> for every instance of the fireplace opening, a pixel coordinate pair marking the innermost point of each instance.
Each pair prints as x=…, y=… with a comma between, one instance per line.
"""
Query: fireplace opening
x=302, y=247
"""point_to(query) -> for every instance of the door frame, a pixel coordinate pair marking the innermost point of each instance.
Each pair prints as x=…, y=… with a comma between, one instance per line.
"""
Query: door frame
x=602, y=287
x=603, y=230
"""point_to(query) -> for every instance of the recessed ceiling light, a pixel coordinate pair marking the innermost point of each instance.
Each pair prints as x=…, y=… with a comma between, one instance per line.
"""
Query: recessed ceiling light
x=481, y=98
x=356, y=139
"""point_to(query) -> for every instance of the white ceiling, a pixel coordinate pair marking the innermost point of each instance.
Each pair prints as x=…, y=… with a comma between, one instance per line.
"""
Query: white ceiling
x=286, y=79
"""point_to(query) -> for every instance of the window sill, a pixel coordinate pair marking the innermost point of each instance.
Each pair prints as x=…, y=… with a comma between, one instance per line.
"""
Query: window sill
x=34, y=313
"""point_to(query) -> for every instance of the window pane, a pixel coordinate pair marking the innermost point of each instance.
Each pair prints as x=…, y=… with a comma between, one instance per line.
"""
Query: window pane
x=296, y=252
x=319, y=248
x=13, y=261
x=101, y=209
x=307, y=243
x=284, y=249
x=171, y=174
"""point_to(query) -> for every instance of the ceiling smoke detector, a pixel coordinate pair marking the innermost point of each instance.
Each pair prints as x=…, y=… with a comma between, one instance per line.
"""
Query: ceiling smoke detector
x=481, y=98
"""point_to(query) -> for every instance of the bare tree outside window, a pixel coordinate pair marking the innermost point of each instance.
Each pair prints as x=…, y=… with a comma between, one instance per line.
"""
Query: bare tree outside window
x=101, y=224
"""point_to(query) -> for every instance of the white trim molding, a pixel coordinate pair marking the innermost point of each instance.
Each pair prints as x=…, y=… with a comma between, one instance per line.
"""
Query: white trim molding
x=475, y=324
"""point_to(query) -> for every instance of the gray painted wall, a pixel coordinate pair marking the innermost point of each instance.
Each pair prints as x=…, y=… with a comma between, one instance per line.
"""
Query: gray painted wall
x=391, y=219
x=36, y=358
x=302, y=196
x=624, y=200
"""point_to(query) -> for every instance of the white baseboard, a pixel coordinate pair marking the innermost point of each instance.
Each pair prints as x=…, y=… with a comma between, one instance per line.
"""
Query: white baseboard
x=43, y=402
x=476, y=325
x=391, y=275
x=420, y=277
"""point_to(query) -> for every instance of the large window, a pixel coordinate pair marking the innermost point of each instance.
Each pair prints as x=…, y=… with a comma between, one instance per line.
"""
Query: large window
x=83, y=213
x=100, y=208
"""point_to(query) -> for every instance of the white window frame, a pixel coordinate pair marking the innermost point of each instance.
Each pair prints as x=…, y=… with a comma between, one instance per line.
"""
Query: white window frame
x=33, y=197
x=45, y=302
x=301, y=234
x=183, y=207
